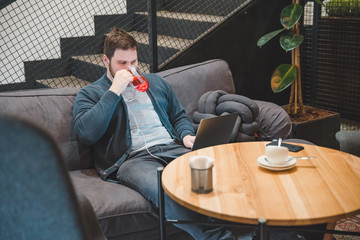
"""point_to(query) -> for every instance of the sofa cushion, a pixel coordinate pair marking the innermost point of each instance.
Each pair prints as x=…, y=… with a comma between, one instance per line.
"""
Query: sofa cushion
x=115, y=205
x=192, y=81
x=52, y=110
x=273, y=120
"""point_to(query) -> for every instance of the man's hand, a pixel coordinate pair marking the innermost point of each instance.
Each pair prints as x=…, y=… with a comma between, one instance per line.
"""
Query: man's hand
x=120, y=81
x=188, y=141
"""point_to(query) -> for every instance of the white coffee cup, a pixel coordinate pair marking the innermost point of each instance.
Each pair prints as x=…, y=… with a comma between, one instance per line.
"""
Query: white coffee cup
x=276, y=155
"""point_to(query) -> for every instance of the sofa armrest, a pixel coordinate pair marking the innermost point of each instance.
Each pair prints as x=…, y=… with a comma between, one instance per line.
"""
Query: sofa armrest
x=274, y=122
x=349, y=141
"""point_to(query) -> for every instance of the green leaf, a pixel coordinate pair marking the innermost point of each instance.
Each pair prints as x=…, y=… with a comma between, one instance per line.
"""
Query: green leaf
x=290, y=15
x=290, y=40
x=282, y=77
x=264, y=39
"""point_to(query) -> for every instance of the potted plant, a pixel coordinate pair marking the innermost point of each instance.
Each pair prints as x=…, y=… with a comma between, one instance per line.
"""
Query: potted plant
x=304, y=118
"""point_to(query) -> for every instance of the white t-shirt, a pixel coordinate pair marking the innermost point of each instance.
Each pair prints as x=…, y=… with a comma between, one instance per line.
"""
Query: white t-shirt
x=145, y=125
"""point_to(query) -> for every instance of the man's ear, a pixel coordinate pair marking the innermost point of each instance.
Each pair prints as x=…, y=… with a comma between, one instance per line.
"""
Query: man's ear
x=106, y=60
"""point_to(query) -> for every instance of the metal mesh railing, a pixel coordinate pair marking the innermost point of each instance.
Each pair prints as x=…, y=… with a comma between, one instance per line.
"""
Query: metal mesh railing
x=35, y=38
x=196, y=18
x=60, y=43
x=331, y=56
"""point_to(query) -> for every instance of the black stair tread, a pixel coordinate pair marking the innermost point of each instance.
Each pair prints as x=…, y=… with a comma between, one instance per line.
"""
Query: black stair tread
x=187, y=16
x=96, y=59
x=168, y=45
x=67, y=81
x=163, y=41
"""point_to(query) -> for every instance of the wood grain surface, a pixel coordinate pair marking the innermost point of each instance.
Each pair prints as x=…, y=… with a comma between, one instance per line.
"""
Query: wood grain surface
x=315, y=191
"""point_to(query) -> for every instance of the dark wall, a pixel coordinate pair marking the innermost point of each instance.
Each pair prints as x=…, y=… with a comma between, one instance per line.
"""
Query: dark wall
x=235, y=41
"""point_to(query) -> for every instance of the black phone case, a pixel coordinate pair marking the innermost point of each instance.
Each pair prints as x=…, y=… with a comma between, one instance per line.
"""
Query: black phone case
x=291, y=147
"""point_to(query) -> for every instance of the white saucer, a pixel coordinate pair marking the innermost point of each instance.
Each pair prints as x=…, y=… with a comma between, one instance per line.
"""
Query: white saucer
x=290, y=163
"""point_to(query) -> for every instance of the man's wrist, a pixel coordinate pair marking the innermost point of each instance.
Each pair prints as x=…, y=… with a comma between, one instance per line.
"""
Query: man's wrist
x=186, y=133
x=116, y=91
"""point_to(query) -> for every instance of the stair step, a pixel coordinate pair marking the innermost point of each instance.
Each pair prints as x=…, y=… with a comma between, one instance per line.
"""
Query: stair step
x=212, y=7
x=178, y=25
x=167, y=46
x=163, y=40
x=96, y=59
x=173, y=36
x=187, y=16
x=67, y=81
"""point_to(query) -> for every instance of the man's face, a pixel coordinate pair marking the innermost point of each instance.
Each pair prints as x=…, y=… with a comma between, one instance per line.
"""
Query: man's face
x=121, y=60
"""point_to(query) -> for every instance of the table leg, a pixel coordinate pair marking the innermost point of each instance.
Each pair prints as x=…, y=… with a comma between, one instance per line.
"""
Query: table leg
x=329, y=226
x=262, y=230
x=161, y=204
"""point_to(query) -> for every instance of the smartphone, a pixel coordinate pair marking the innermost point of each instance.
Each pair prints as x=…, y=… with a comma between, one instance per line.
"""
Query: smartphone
x=291, y=147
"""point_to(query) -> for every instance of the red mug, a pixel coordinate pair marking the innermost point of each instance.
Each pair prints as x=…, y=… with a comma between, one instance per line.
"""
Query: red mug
x=139, y=82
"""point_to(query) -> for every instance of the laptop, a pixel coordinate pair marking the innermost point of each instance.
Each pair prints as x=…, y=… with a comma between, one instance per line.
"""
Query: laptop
x=214, y=131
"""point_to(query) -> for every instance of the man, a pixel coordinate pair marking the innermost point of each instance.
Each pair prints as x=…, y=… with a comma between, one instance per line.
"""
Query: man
x=132, y=133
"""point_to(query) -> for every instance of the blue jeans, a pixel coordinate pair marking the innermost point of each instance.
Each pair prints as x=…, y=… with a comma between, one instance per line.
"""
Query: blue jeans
x=139, y=172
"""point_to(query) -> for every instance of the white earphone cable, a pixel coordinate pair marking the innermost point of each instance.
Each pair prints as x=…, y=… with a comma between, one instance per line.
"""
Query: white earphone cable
x=143, y=135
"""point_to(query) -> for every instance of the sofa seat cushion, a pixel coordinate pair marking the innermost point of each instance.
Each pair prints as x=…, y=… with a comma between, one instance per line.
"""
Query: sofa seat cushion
x=119, y=209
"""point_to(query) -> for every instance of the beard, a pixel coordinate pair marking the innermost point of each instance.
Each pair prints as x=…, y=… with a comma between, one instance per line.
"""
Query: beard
x=112, y=72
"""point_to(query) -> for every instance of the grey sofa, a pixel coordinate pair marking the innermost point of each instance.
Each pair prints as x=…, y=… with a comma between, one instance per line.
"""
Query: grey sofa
x=349, y=141
x=122, y=212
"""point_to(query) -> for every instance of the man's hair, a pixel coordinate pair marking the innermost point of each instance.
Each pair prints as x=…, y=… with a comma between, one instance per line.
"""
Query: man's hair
x=118, y=38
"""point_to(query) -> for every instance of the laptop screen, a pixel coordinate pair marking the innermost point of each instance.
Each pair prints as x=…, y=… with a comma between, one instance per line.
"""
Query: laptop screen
x=215, y=131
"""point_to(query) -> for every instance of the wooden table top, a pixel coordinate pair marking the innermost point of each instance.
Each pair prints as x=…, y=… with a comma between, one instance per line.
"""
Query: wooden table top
x=315, y=191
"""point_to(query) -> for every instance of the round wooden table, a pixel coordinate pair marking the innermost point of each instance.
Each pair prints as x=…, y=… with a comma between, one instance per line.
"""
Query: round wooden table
x=319, y=190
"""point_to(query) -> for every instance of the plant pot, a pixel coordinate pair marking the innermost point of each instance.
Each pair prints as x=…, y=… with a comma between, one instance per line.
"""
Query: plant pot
x=320, y=131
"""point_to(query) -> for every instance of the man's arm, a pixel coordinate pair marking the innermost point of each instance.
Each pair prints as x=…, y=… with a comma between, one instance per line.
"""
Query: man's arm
x=180, y=122
x=92, y=114
x=93, y=108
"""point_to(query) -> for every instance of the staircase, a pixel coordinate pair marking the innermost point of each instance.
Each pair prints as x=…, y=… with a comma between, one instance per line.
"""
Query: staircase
x=82, y=64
